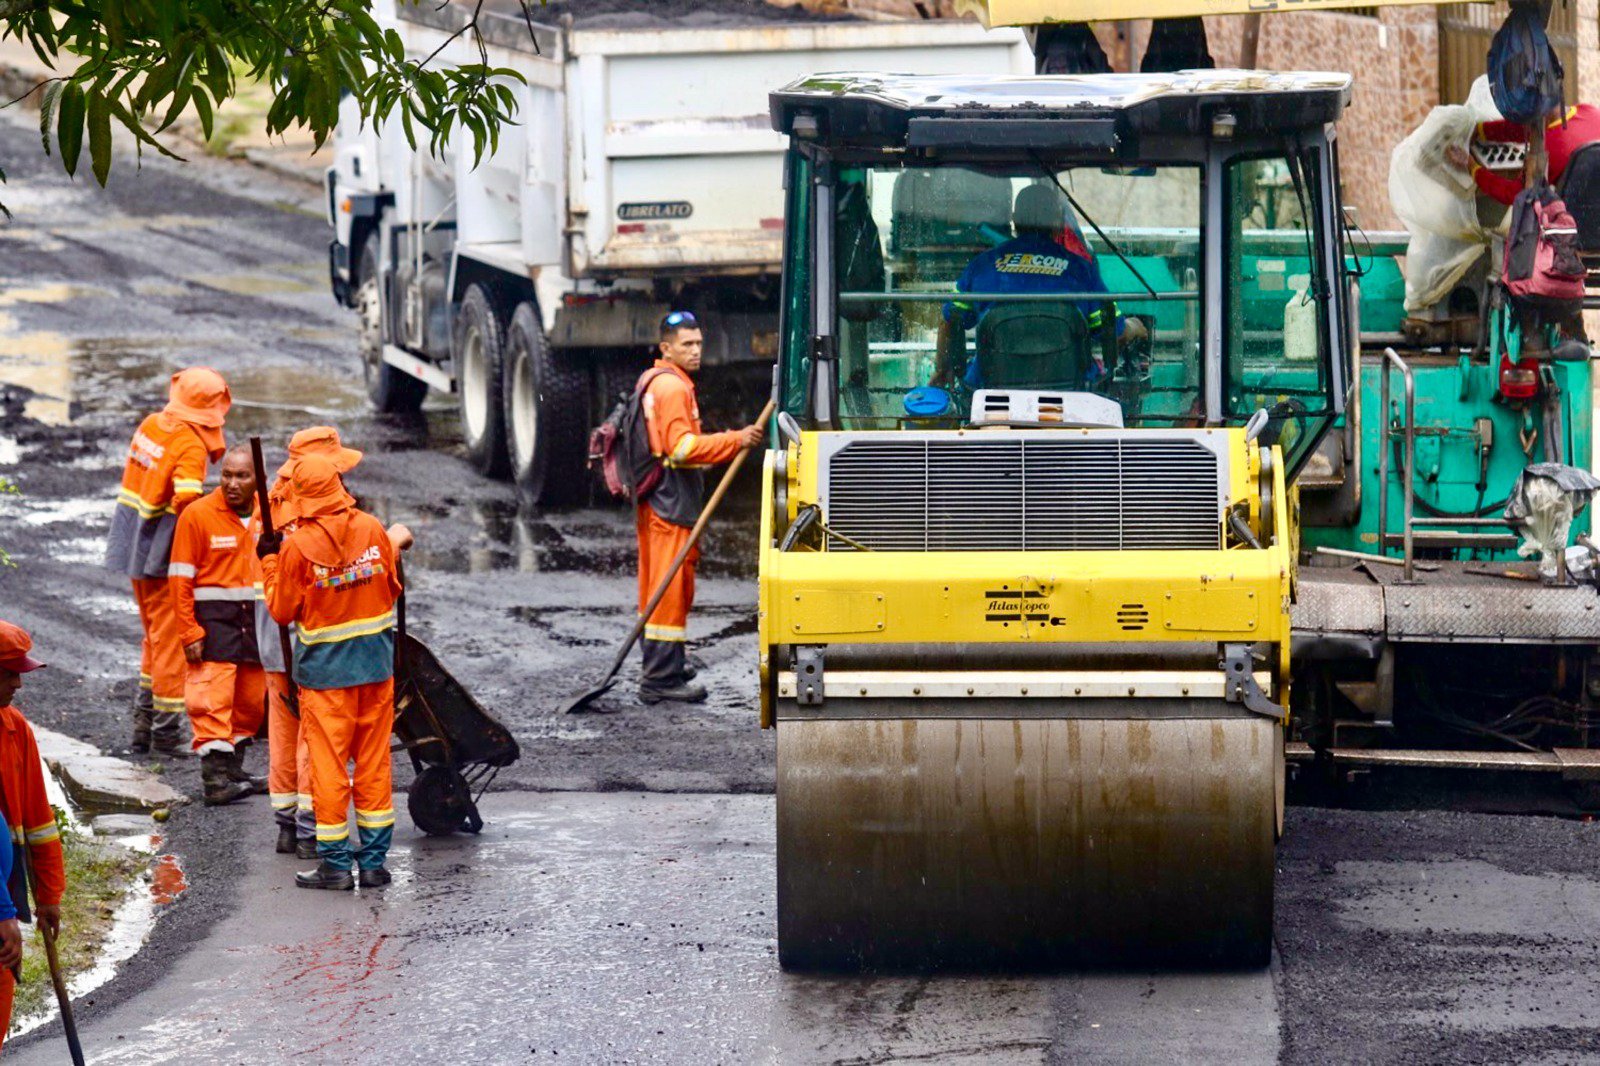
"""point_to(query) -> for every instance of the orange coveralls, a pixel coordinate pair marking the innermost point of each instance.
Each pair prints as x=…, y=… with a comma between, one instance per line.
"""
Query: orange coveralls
x=164, y=473
x=212, y=577
x=673, y=418
x=288, y=758
x=32, y=824
x=335, y=579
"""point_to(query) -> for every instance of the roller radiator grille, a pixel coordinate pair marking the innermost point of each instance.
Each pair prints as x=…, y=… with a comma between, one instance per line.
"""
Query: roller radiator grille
x=1025, y=495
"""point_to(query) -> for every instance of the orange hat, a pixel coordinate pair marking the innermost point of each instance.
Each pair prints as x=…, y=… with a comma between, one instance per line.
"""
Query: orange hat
x=14, y=647
x=200, y=397
x=320, y=440
x=317, y=488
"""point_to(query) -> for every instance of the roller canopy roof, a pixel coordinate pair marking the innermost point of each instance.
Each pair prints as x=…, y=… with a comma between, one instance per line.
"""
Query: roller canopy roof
x=1051, y=111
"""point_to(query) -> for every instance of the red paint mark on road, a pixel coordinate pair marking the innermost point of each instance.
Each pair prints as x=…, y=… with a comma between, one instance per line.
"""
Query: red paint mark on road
x=167, y=882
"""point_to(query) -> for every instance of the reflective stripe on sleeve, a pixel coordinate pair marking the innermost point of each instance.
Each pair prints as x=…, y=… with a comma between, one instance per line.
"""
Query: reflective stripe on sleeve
x=182, y=570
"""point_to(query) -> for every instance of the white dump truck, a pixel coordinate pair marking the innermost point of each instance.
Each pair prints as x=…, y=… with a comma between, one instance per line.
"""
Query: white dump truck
x=643, y=175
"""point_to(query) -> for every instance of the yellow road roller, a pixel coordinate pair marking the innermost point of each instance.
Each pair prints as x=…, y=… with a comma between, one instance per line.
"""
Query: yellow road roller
x=1053, y=350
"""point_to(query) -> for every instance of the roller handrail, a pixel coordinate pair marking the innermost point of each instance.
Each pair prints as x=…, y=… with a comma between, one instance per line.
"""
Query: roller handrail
x=1408, y=430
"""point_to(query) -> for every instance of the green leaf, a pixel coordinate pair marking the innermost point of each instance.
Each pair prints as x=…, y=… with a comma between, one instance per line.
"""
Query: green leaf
x=69, y=126
x=202, y=107
x=47, y=110
x=124, y=116
x=100, y=137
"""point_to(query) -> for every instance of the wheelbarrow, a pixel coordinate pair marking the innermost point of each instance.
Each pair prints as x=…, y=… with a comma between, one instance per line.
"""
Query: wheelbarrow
x=456, y=746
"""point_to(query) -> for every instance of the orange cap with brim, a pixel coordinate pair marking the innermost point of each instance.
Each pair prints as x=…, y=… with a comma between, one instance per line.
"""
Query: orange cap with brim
x=320, y=440
x=14, y=647
x=317, y=488
x=200, y=397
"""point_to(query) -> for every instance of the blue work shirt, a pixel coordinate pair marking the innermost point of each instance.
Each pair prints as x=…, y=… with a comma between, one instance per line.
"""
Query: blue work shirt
x=1031, y=263
x=8, y=909
x=1024, y=265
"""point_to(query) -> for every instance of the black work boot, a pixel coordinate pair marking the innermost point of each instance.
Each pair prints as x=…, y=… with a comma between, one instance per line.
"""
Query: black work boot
x=237, y=772
x=326, y=876
x=169, y=746
x=305, y=848
x=285, y=840
x=678, y=692
x=143, y=709
x=215, y=787
x=375, y=878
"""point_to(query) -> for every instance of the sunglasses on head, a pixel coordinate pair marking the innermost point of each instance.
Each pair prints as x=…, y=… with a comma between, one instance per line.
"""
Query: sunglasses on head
x=679, y=318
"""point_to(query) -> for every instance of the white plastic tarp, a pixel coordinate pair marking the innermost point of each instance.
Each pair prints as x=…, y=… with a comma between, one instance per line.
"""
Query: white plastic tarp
x=1437, y=203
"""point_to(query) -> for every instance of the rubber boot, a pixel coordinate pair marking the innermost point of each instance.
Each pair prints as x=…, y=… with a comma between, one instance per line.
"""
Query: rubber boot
x=143, y=710
x=305, y=848
x=326, y=876
x=166, y=735
x=215, y=787
x=285, y=840
x=679, y=692
x=237, y=772
x=374, y=878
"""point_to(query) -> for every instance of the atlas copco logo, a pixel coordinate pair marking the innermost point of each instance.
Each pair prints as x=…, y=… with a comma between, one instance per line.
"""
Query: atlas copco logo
x=651, y=212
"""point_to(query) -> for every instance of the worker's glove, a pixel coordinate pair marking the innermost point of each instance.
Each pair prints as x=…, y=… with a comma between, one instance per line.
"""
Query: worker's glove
x=269, y=544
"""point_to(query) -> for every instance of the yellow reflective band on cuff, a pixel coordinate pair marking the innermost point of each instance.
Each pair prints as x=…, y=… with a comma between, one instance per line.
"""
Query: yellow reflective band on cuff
x=674, y=634
x=169, y=704
x=332, y=832
x=284, y=801
x=183, y=486
x=681, y=450
x=17, y=834
x=44, y=834
x=145, y=681
x=361, y=627
x=375, y=819
x=304, y=803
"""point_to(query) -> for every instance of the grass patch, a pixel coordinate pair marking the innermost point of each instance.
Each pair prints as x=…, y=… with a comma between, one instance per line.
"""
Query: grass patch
x=98, y=874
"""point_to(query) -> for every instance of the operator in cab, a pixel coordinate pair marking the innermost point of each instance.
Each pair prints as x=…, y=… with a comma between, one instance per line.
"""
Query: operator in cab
x=1044, y=256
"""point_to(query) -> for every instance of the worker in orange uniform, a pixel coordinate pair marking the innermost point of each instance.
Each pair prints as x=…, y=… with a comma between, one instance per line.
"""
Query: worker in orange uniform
x=289, y=772
x=289, y=769
x=212, y=577
x=165, y=472
x=335, y=579
x=665, y=518
x=29, y=816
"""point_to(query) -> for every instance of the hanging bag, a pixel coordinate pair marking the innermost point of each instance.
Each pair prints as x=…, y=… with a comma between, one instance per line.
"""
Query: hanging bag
x=1525, y=76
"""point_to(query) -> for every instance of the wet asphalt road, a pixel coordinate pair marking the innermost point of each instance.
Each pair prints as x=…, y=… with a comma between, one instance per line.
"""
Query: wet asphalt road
x=1402, y=935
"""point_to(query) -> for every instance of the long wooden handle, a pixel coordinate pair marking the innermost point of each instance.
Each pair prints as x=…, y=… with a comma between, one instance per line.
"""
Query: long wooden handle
x=688, y=546
x=69, y=1024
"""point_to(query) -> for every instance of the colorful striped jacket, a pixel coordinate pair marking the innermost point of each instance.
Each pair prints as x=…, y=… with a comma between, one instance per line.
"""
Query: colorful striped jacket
x=340, y=596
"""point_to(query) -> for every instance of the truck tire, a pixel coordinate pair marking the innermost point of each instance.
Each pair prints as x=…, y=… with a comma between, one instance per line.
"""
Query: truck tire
x=478, y=348
x=546, y=416
x=391, y=390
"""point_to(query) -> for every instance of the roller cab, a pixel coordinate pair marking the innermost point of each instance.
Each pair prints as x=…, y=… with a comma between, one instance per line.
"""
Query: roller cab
x=1029, y=554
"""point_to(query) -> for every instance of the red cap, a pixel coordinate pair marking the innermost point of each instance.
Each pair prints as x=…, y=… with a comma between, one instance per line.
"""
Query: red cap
x=14, y=647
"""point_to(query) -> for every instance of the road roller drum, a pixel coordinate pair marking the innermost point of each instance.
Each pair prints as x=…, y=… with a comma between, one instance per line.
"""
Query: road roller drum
x=1037, y=842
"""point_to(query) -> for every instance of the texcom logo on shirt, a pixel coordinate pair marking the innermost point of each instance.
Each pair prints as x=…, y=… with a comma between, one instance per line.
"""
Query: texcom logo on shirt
x=1029, y=263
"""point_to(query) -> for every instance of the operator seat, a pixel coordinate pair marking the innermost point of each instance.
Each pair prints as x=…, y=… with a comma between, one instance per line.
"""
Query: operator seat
x=1035, y=346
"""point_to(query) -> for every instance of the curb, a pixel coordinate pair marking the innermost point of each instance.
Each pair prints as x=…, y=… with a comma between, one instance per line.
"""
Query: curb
x=100, y=784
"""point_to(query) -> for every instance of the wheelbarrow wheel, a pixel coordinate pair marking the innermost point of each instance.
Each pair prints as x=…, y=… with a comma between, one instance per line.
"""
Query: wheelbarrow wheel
x=440, y=801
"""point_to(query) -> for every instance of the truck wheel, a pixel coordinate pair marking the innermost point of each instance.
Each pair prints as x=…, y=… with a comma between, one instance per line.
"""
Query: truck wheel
x=478, y=348
x=391, y=390
x=546, y=415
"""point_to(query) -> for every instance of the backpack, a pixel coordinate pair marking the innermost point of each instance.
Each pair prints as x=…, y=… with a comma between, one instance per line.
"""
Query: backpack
x=1542, y=267
x=1525, y=75
x=620, y=446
